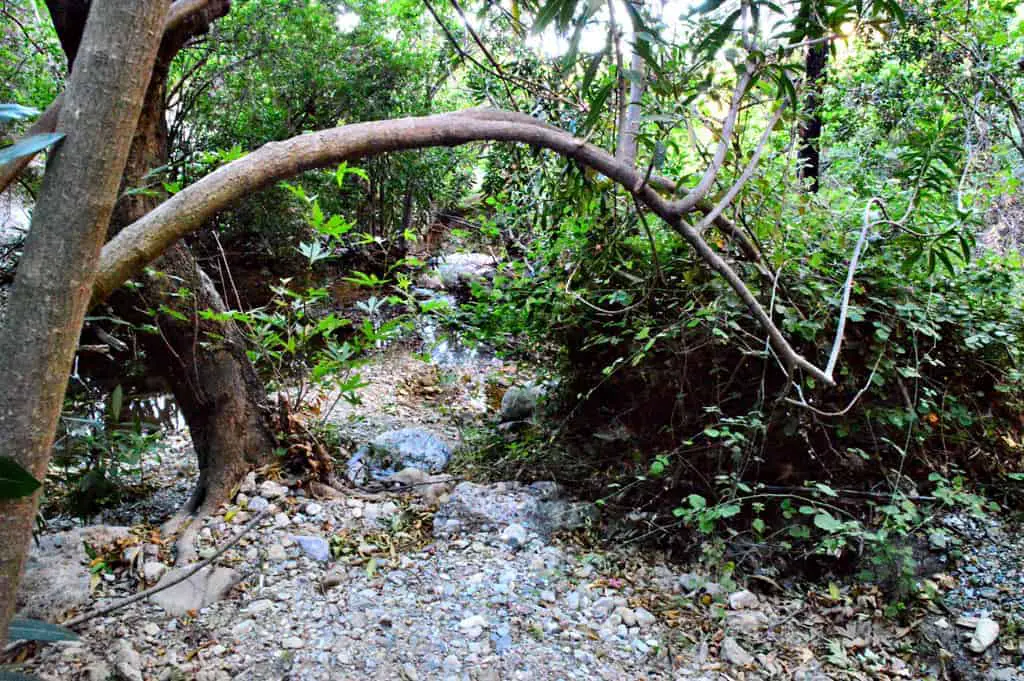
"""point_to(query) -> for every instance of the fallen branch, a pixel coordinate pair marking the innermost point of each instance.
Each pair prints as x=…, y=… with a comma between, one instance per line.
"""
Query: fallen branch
x=142, y=595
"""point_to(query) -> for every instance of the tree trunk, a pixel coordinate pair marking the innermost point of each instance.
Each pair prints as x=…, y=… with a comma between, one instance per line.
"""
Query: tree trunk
x=222, y=399
x=809, y=154
x=55, y=276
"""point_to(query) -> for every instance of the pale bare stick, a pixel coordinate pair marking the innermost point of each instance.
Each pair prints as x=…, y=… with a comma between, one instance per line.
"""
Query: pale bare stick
x=142, y=595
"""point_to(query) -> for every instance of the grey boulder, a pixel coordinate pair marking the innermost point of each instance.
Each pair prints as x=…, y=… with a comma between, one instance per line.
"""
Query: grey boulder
x=538, y=508
x=56, y=577
x=457, y=269
x=395, y=450
x=520, y=402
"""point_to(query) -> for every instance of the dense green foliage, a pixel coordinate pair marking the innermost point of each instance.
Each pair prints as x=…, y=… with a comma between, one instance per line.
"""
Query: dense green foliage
x=667, y=385
x=284, y=69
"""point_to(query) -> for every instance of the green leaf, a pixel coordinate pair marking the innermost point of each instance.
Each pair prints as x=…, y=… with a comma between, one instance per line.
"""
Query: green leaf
x=16, y=676
x=597, y=106
x=22, y=629
x=825, y=521
x=116, y=402
x=29, y=146
x=16, y=112
x=15, y=481
x=707, y=6
x=714, y=40
x=825, y=489
x=729, y=510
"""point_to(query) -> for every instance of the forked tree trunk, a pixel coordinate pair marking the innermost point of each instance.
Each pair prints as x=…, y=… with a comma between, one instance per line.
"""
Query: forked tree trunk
x=55, y=277
x=205, y=362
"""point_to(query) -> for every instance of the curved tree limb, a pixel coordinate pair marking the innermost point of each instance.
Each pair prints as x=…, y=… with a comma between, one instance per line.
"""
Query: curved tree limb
x=688, y=202
x=180, y=12
x=140, y=243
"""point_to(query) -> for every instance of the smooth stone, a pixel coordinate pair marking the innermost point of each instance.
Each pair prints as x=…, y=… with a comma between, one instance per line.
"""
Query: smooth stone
x=153, y=570
x=985, y=634
x=272, y=490
x=733, y=653
x=316, y=548
x=257, y=505
x=743, y=600
x=207, y=586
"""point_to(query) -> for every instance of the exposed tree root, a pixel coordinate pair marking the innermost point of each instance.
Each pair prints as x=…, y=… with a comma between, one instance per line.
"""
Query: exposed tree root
x=186, y=523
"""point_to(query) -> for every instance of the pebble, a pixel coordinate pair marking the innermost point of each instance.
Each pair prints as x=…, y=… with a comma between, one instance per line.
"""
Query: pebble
x=644, y=618
x=257, y=504
x=248, y=485
x=733, y=653
x=743, y=600
x=271, y=490
x=514, y=535
x=127, y=661
x=316, y=548
x=153, y=570
x=452, y=664
x=242, y=628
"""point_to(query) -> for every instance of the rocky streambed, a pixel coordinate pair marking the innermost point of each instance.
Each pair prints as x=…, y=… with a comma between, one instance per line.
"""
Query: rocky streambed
x=440, y=578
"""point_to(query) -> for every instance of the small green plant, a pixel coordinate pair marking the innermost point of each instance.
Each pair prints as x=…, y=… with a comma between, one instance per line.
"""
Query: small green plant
x=98, y=458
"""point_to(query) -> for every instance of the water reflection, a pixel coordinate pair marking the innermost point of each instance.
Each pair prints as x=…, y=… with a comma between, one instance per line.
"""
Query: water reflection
x=152, y=411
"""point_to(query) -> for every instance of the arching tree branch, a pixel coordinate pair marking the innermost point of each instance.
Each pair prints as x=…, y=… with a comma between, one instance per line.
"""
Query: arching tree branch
x=140, y=243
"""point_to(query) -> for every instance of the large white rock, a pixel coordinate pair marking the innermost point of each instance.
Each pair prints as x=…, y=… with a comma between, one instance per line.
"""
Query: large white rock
x=986, y=631
x=56, y=577
x=207, y=586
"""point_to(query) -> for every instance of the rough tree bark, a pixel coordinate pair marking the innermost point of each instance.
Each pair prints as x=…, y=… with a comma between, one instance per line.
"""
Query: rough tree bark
x=809, y=154
x=55, y=276
x=204, y=361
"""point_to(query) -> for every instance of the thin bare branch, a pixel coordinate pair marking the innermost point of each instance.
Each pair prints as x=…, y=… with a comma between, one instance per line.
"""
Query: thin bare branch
x=688, y=202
